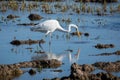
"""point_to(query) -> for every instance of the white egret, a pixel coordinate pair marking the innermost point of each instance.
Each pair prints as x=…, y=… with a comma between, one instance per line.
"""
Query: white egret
x=49, y=26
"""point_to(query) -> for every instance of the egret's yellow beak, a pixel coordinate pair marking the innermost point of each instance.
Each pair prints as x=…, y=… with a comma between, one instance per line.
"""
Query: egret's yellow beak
x=78, y=34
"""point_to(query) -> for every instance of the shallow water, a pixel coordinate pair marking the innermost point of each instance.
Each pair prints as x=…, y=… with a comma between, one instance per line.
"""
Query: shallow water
x=107, y=32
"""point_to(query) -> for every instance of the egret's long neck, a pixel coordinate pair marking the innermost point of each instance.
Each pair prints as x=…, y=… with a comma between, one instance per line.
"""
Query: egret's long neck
x=63, y=30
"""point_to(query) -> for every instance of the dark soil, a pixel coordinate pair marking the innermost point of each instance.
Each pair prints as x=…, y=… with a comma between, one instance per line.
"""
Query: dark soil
x=34, y=17
x=9, y=71
x=83, y=72
x=12, y=16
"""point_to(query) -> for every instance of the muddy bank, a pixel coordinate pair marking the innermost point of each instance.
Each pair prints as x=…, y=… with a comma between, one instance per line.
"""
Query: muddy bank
x=83, y=72
x=108, y=66
x=29, y=41
x=7, y=72
x=107, y=54
x=104, y=46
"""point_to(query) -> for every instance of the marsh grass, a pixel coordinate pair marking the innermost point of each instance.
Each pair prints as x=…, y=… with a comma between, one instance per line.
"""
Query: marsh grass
x=47, y=8
x=23, y=6
x=13, y=5
x=56, y=7
x=104, y=6
x=83, y=8
x=64, y=8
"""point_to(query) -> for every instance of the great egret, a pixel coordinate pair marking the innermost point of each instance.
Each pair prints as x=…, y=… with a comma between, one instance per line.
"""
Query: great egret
x=49, y=26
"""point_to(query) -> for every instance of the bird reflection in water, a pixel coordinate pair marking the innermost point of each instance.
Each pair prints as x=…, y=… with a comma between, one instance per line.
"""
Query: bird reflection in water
x=48, y=55
x=74, y=57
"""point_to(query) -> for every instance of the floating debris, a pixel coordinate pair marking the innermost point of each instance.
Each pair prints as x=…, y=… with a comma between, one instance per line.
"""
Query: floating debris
x=29, y=41
x=101, y=46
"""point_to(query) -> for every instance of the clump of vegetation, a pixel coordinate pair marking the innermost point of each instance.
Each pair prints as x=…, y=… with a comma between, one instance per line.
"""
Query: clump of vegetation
x=46, y=8
x=51, y=8
x=13, y=5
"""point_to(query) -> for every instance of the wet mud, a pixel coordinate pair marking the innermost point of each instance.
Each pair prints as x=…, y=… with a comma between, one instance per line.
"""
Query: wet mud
x=104, y=46
x=11, y=16
x=10, y=71
x=84, y=72
x=29, y=41
x=108, y=66
x=34, y=17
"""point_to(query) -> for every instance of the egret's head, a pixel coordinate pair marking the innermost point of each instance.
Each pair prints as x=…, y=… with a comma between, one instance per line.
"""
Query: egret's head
x=75, y=26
